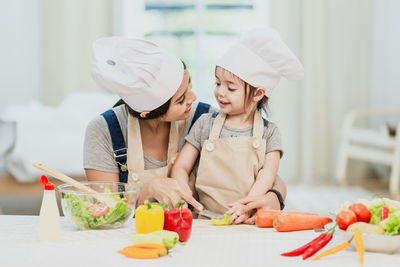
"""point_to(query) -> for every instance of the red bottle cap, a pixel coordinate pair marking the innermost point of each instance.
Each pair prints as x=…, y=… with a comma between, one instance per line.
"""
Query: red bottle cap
x=43, y=180
x=49, y=186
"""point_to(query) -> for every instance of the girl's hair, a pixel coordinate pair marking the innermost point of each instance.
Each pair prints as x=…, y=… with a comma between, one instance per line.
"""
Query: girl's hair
x=155, y=113
x=249, y=92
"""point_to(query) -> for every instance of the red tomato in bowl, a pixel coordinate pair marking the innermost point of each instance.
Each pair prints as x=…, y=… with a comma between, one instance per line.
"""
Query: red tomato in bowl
x=345, y=218
x=100, y=209
x=362, y=212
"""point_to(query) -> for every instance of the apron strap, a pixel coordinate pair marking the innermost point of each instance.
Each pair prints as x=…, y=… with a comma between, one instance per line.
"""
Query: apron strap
x=118, y=143
x=258, y=127
x=217, y=126
x=172, y=144
x=135, y=146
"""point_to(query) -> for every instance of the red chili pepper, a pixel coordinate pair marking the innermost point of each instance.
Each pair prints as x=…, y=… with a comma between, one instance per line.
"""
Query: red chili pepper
x=315, y=247
x=179, y=220
x=384, y=212
x=300, y=250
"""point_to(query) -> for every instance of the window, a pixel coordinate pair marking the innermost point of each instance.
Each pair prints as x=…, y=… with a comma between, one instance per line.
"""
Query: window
x=197, y=31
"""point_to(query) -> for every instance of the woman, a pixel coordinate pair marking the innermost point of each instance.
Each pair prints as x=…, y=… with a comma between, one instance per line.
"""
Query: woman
x=155, y=116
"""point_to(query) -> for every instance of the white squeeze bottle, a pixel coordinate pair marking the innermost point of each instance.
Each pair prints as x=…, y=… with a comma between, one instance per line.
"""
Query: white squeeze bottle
x=49, y=217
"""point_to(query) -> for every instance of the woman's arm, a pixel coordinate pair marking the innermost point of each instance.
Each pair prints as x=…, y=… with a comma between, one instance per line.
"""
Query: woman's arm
x=100, y=176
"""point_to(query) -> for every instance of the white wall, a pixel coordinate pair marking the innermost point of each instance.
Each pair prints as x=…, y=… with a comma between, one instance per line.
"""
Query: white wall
x=19, y=51
x=385, y=68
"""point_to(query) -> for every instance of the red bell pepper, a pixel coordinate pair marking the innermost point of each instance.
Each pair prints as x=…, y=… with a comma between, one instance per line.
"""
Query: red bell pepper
x=179, y=220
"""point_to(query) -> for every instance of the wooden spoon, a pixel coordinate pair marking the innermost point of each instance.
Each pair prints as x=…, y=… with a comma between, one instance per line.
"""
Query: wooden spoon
x=66, y=179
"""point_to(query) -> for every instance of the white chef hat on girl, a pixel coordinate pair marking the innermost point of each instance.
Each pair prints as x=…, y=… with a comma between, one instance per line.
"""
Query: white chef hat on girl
x=261, y=58
x=143, y=74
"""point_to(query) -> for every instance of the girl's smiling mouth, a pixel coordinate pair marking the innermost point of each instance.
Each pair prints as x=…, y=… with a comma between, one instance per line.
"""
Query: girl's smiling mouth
x=222, y=103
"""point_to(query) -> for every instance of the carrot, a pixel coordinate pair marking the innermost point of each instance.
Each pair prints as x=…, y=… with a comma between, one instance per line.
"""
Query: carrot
x=144, y=251
x=265, y=218
x=296, y=222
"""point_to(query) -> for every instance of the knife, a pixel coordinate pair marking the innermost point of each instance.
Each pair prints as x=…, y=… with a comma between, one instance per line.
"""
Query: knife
x=209, y=214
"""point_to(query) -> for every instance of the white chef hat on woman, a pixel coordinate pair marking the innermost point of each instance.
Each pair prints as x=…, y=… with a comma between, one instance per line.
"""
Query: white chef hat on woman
x=261, y=58
x=143, y=74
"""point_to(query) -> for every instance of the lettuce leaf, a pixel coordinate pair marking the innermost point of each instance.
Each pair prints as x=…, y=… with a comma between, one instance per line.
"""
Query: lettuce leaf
x=392, y=224
x=76, y=209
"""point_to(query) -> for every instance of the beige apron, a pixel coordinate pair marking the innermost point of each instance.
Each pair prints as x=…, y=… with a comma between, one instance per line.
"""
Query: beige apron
x=228, y=166
x=137, y=173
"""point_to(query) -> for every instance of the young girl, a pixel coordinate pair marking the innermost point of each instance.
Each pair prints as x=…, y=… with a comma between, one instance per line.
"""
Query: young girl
x=239, y=150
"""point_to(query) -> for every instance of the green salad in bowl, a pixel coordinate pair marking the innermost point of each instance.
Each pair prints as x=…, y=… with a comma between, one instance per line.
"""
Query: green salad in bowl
x=87, y=212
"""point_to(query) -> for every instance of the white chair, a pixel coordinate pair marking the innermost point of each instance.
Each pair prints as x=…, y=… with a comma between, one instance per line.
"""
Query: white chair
x=370, y=145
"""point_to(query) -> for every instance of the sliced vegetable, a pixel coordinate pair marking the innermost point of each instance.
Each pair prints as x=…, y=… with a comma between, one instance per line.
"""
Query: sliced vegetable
x=222, y=221
x=162, y=237
x=296, y=222
x=333, y=250
x=359, y=246
x=265, y=218
x=80, y=213
x=384, y=213
x=391, y=225
x=344, y=218
x=100, y=209
x=144, y=251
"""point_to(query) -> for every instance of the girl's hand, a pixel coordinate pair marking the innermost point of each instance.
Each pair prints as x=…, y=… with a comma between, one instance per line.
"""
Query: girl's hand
x=251, y=204
x=238, y=216
x=168, y=191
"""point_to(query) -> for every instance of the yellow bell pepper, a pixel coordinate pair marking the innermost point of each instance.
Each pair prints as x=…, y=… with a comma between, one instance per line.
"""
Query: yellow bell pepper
x=149, y=218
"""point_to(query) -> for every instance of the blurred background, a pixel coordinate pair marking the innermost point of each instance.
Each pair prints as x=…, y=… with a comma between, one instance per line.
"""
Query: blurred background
x=339, y=124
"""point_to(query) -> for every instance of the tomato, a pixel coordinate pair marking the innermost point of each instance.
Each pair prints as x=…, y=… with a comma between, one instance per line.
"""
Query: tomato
x=88, y=205
x=384, y=213
x=345, y=218
x=362, y=212
x=100, y=209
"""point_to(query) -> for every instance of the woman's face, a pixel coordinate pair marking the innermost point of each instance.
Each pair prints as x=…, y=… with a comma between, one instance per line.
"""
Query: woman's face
x=181, y=101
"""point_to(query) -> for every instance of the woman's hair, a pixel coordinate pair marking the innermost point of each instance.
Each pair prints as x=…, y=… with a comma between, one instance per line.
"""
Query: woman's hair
x=155, y=113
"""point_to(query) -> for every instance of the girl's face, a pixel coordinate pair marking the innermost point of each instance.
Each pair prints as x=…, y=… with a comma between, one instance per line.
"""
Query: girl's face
x=229, y=92
x=181, y=101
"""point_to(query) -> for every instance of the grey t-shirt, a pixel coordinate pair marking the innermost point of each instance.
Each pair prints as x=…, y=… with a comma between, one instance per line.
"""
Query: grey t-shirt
x=202, y=127
x=98, y=150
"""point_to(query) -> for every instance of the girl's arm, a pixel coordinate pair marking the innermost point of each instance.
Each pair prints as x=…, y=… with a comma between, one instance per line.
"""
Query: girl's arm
x=266, y=176
x=184, y=163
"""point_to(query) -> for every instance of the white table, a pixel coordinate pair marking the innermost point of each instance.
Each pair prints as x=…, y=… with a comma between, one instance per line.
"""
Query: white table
x=239, y=245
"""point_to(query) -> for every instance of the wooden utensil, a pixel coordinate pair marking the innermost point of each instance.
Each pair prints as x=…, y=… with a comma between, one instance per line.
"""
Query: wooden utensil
x=66, y=179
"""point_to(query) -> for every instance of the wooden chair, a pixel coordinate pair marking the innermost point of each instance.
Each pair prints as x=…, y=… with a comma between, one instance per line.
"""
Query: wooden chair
x=370, y=145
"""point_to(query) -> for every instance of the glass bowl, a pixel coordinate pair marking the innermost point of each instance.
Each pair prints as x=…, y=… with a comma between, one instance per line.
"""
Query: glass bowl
x=87, y=212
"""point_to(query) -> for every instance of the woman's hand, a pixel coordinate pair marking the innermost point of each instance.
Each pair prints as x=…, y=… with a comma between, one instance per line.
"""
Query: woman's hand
x=168, y=191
